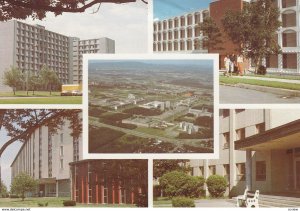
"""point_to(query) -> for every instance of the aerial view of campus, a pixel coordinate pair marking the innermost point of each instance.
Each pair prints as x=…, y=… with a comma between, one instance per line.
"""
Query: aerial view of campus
x=150, y=106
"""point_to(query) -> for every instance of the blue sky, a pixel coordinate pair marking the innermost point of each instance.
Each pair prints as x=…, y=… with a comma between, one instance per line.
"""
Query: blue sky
x=163, y=9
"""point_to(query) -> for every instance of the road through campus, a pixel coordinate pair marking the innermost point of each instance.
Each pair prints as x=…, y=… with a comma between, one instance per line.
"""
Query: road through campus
x=232, y=95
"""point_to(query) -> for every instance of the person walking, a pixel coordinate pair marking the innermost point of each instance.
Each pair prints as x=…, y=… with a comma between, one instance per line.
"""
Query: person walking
x=232, y=63
x=227, y=65
x=240, y=64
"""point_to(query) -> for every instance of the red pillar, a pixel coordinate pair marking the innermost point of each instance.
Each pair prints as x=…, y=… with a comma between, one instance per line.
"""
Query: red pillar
x=87, y=190
x=132, y=197
x=82, y=189
x=102, y=193
x=97, y=199
x=113, y=193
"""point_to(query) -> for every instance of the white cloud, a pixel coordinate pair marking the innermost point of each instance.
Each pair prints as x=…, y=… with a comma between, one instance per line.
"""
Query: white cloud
x=125, y=23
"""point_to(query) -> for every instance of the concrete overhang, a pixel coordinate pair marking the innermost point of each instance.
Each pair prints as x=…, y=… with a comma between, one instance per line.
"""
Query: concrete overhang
x=283, y=137
x=47, y=181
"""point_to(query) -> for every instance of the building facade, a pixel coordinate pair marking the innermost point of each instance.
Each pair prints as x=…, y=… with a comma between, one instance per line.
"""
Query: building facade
x=258, y=149
x=108, y=182
x=91, y=46
x=168, y=39
x=46, y=157
x=30, y=47
x=179, y=34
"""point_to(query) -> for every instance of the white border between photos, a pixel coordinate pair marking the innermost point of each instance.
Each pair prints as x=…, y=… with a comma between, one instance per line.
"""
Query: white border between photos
x=214, y=57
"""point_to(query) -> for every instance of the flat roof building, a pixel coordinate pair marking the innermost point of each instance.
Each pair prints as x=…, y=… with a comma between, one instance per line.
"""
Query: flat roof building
x=30, y=47
x=259, y=149
x=46, y=157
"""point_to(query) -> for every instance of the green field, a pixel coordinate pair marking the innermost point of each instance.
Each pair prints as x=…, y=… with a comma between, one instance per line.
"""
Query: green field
x=24, y=94
x=43, y=100
x=273, y=84
x=52, y=202
x=162, y=202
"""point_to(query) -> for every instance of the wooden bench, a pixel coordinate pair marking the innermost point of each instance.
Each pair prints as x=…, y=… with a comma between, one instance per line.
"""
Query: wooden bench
x=249, y=199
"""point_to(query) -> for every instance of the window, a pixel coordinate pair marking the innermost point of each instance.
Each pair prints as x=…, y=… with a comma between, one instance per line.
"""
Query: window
x=90, y=186
x=226, y=172
x=240, y=134
x=239, y=110
x=212, y=170
x=105, y=190
x=261, y=170
x=226, y=140
x=61, y=138
x=61, y=151
x=241, y=171
x=225, y=112
x=61, y=164
x=260, y=128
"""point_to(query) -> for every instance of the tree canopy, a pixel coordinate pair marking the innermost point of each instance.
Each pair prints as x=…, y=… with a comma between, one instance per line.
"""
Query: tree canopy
x=20, y=123
x=13, y=78
x=37, y=9
x=254, y=29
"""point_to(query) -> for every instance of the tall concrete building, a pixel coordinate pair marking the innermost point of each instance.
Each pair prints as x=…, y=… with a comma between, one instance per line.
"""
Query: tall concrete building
x=91, y=46
x=179, y=34
x=259, y=149
x=180, y=38
x=46, y=157
x=30, y=47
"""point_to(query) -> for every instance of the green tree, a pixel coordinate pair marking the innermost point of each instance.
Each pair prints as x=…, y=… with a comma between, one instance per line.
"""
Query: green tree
x=3, y=188
x=161, y=167
x=254, y=29
x=13, y=78
x=212, y=35
x=22, y=184
x=37, y=9
x=49, y=79
x=34, y=82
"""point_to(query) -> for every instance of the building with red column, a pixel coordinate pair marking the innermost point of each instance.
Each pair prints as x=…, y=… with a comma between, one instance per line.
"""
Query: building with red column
x=109, y=181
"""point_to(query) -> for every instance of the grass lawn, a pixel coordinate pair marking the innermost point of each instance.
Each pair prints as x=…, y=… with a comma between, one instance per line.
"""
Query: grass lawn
x=274, y=84
x=24, y=94
x=288, y=77
x=52, y=202
x=162, y=202
x=43, y=100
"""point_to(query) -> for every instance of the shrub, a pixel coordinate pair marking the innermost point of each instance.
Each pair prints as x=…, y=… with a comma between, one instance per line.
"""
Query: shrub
x=40, y=204
x=142, y=200
x=183, y=202
x=216, y=185
x=262, y=70
x=69, y=203
x=178, y=183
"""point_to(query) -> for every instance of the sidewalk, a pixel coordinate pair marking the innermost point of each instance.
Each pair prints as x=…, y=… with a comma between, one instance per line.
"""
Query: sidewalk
x=269, y=79
x=214, y=203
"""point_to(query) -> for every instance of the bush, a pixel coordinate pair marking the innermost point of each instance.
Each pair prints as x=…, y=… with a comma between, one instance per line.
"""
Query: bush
x=183, y=202
x=178, y=183
x=43, y=204
x=216, y=185
x=142, y=200
x=262, y=70
x=69, y=203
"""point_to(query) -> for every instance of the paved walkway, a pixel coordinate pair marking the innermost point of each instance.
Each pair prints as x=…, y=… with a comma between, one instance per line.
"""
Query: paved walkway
x=214, y=203
x=270, y=79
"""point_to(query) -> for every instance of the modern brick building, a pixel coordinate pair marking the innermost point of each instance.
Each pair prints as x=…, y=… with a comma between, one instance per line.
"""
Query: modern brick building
x=30, y=47
x=109, y=181
x=259, y=149
x=288, y=35
x=46, y=157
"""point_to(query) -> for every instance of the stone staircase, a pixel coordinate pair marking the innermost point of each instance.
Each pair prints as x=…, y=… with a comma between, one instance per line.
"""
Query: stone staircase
x=275, y=201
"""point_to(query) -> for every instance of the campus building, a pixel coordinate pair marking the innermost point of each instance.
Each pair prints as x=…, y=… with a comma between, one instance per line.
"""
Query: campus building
x=30, y=47
x=164, y=38
x=179, y=34
x=46, y=157
x=91, y=46
x=105, y=182
x=259, y=149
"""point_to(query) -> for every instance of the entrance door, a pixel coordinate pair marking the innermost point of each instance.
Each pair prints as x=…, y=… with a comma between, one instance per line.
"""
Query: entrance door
x=297, y=174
